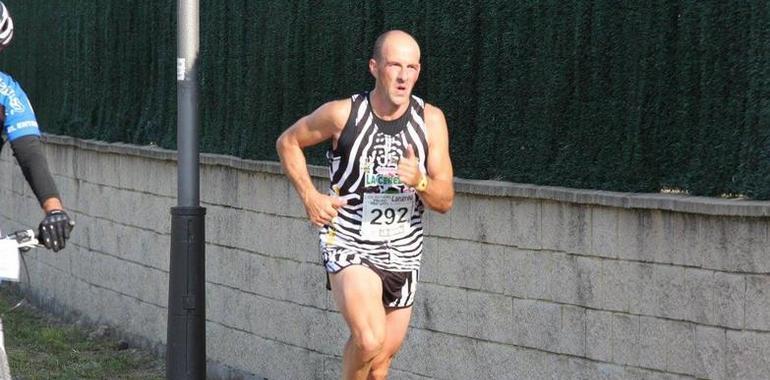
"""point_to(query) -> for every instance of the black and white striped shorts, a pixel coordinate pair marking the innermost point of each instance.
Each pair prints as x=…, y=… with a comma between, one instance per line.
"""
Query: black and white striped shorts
x=398, y=288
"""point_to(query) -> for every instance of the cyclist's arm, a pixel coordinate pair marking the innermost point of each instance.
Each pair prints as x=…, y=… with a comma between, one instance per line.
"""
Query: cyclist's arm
x=20, y=125
x=29, y=154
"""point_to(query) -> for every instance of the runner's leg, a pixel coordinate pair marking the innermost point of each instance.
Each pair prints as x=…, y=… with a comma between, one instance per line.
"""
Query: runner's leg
x=397, y=323
x=357, y=290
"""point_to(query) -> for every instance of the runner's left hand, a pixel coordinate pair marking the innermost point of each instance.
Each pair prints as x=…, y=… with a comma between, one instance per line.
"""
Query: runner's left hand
x=408, y=168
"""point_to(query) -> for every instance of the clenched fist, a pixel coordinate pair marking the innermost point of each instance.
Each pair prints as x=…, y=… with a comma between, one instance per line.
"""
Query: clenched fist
x=320, y=208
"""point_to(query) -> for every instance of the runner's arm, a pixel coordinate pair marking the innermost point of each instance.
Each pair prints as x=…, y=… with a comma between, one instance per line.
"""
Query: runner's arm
x=323, y=124
x=440, y=193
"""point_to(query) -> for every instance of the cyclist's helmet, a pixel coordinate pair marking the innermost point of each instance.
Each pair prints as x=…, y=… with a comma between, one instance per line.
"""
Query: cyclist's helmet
x=6, y=27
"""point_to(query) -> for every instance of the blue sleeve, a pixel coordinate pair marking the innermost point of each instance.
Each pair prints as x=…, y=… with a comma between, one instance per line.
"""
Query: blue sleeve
x=20, y=118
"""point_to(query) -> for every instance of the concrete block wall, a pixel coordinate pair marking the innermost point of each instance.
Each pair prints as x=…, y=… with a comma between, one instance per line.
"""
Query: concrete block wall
x=518, y=281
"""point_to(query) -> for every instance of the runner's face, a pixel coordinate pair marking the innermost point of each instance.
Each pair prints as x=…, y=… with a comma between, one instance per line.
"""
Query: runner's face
x=398, y=69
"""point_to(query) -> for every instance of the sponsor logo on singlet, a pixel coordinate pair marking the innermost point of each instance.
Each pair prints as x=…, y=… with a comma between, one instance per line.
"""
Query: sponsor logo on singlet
x=380, y=166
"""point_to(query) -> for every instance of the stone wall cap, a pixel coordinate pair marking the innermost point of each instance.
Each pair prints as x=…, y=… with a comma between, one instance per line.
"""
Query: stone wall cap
x=653, y=201
x=657, y=201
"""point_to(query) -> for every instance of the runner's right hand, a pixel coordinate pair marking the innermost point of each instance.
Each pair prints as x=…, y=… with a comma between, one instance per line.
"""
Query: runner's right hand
x=321, y=209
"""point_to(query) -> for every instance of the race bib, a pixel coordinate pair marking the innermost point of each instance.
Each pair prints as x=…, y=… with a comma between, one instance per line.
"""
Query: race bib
x=387, y=216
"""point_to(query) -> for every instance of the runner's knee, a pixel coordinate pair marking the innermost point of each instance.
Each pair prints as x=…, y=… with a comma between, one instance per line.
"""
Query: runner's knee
x=369, y=343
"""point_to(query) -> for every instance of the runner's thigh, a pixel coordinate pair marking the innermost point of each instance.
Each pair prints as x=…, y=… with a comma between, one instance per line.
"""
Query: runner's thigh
x=357, y=290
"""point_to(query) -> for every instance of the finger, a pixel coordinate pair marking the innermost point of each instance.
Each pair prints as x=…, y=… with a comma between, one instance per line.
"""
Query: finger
x=47, y=237
x=67, y=230
x=325, y=215
x=409, y=152
x=401, y=173
x=54, y=239
x=339, y=202
x=403, y=163
x=60, y=234
x=318, y=220
x=406, y=172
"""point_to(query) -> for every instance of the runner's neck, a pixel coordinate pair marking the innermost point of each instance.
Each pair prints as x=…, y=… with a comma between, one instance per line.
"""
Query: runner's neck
x=383, y=109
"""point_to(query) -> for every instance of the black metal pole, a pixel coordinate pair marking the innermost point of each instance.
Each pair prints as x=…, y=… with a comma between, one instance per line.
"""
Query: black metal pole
x=186, y=329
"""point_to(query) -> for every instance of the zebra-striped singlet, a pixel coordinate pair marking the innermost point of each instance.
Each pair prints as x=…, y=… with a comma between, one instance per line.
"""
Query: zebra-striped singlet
x=366, y=161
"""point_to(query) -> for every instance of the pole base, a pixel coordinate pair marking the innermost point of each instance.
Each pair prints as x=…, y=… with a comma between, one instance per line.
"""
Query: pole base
x=186, y=329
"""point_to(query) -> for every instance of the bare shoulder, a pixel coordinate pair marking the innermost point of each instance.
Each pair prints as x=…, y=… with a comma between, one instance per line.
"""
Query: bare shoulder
x=334, y=113
x=435, y=122
x=434, y=117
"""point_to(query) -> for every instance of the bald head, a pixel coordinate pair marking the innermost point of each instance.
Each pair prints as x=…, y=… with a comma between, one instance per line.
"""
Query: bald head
x=393, y=37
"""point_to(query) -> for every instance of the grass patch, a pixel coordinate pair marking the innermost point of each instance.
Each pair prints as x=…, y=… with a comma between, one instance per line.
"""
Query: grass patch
x=40, y=347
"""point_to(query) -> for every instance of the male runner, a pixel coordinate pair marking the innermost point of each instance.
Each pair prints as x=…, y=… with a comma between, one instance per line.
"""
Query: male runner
x=388, y=160
x=21, y=129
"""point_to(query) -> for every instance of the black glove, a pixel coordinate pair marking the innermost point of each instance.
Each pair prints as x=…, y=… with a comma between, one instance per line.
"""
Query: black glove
x=55, y=229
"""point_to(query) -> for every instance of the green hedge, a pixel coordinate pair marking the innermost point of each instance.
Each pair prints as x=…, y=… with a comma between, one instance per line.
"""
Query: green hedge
x=629, y=96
